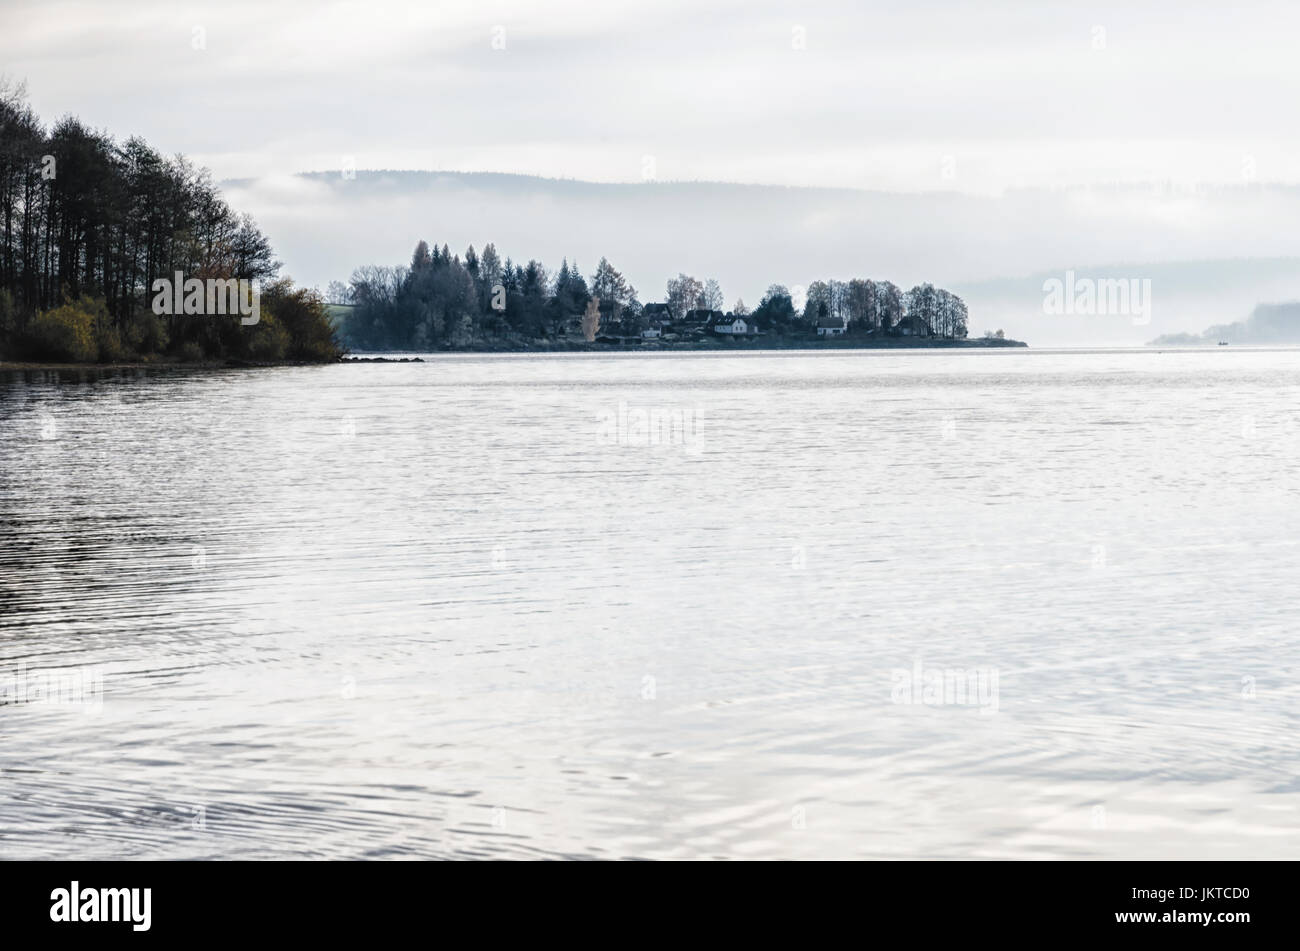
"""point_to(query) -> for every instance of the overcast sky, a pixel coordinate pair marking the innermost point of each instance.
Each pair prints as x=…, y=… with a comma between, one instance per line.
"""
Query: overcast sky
x=916, y=95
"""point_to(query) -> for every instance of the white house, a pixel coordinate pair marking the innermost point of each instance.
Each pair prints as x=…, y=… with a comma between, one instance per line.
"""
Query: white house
x=830, y=327
x=731, y=324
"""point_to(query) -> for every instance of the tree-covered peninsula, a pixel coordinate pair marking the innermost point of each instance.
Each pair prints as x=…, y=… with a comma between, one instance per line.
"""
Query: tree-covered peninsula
x=479, y=300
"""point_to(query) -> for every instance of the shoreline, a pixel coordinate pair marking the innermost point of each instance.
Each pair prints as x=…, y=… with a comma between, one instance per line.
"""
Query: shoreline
x=539, y=346
x=123, y=365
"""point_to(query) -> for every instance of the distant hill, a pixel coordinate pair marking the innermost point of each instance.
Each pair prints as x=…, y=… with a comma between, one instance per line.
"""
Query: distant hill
x=1268, y=324
x=1184, y=295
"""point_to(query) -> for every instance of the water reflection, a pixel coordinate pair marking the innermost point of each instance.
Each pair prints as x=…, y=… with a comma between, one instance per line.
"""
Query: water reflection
x=446, y=609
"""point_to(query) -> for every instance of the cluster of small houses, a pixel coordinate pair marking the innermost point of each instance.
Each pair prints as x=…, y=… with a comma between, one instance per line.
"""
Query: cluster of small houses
x=658, y=322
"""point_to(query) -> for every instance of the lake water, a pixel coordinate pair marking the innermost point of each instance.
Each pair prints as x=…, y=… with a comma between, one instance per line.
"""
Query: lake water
x=873, y=604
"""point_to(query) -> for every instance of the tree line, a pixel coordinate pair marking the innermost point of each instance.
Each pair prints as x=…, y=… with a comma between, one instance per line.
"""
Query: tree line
x=442, y=299
x=879, y=305
x=448, y=300
x=90, y=223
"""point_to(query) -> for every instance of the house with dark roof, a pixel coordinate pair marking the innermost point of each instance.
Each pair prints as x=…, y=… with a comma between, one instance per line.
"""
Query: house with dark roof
x=611, y=317
x=831, y=327
x=700, y=317
x=913, y=326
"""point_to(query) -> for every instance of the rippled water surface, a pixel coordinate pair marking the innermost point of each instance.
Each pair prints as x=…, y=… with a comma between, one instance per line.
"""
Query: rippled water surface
x=654, y=606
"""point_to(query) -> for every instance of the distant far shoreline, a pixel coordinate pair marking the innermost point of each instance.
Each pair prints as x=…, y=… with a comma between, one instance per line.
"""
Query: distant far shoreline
x=1267, y=325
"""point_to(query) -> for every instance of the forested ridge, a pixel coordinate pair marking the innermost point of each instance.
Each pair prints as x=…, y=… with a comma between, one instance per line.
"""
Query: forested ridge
x=90, y=223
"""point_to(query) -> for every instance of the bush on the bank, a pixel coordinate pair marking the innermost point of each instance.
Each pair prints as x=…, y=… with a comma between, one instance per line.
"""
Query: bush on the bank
x=270, y=340
x=146, y=334
x=303, y=321
x=70, y=332
x=294, y=325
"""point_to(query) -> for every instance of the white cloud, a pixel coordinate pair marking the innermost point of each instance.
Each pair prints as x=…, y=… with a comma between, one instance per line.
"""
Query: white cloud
x=1016, y=94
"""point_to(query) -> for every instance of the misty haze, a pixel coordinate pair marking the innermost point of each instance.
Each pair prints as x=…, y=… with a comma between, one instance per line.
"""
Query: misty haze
x=678, y=431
